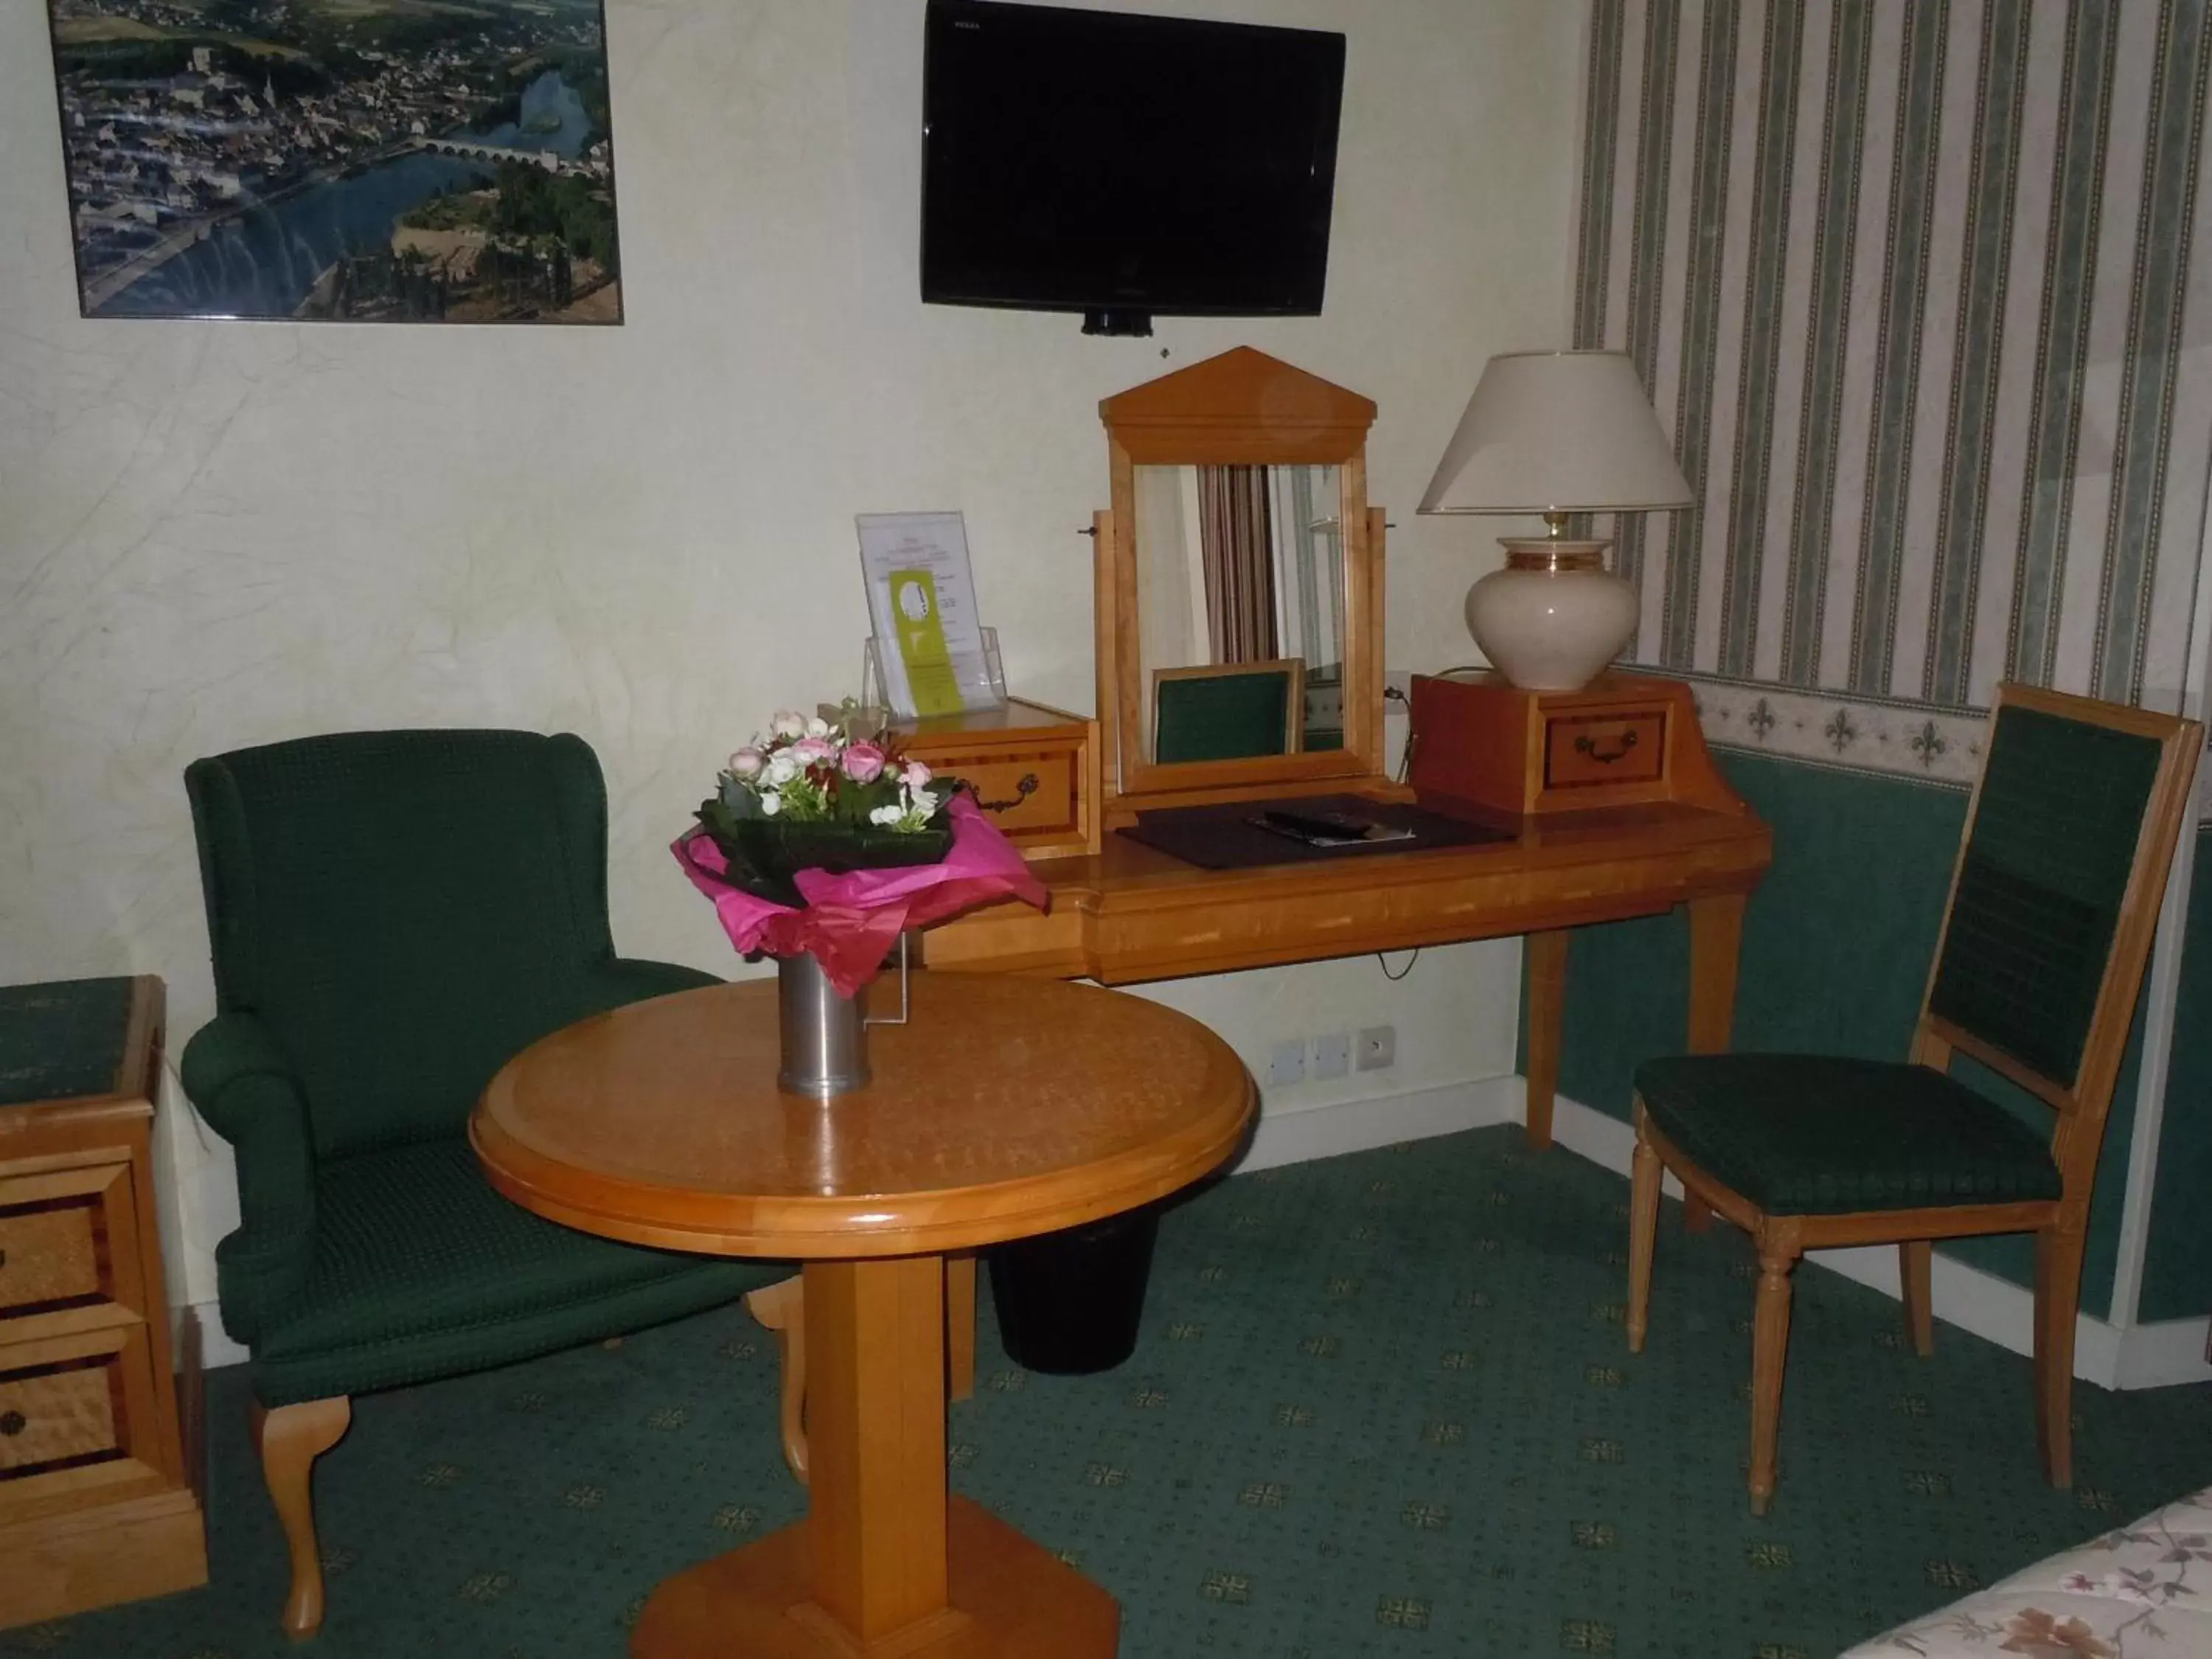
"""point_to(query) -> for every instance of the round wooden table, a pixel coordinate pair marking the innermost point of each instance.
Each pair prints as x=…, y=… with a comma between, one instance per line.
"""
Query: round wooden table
x=1005, y=1108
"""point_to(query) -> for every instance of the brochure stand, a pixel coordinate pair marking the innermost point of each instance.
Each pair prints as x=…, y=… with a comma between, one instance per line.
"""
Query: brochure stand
x=987, y=691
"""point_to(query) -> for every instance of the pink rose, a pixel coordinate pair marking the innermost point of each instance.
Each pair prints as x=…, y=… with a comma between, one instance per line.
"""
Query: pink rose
x=864, y=763
x=747, y=762
x=915, y=775
x=813, y=751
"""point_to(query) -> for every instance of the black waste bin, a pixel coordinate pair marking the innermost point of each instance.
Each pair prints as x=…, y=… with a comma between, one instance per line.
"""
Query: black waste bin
x=1069, y=1303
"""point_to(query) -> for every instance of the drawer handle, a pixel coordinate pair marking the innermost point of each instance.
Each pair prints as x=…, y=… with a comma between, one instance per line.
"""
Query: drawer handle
x=11, y=1423
x=1585, y=745
x=1023, y=791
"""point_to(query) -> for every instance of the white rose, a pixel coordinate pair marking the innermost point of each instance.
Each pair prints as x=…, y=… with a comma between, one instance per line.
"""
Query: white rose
x=788, y=723
x=818, y=728
x=782, y=767
x=771, y=805
x=887, y=815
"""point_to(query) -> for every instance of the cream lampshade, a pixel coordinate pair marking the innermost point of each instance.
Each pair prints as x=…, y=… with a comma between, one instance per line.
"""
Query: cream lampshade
x=1555, y=432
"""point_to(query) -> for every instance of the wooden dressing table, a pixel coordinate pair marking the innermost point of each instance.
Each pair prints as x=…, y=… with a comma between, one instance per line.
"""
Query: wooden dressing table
x=1609, y=799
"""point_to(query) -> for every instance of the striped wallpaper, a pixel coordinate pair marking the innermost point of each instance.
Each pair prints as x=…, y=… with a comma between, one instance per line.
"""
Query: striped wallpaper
x=1922, y=289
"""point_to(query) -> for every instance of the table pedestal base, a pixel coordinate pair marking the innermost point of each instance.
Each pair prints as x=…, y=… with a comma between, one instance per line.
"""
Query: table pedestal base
x=1012, y=1598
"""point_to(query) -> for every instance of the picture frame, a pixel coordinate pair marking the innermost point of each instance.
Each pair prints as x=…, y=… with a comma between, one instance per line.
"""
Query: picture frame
x=377, y=160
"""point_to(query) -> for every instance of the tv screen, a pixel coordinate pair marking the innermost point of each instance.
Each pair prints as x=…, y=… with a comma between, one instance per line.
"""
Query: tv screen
x=1123, y=165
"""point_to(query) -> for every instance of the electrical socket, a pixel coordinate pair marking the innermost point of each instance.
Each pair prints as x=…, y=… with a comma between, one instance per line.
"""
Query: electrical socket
x=1286, y=1063
x=1332, y=1054
x=1378, y=1047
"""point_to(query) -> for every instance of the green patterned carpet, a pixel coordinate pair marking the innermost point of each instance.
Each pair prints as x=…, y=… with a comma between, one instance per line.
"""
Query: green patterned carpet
x=1382, y=1406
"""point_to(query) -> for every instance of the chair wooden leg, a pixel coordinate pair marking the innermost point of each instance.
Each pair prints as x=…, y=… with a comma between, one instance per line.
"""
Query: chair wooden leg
x=289, y=1440
x=781, y=1308
x=1915, y=1265
x=1770, y=1347
x=959, y=1327
x=1642, y=1234
x=2057, y=1296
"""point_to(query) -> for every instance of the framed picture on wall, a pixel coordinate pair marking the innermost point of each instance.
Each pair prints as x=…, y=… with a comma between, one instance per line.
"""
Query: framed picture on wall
x=346, y=161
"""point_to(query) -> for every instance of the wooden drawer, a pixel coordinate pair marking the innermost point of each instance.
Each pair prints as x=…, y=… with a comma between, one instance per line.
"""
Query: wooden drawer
x=1027, y=795
x=1032, y=769
x=60, y=1416
x=1582, y=749
x=77, y=1422
x=67, y=1242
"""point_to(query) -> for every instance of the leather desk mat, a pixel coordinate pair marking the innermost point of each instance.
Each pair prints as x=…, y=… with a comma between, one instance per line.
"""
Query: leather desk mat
x=1221, y=837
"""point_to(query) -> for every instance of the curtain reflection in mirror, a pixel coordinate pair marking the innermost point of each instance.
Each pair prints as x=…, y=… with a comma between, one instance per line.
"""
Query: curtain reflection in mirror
x=1237, y=542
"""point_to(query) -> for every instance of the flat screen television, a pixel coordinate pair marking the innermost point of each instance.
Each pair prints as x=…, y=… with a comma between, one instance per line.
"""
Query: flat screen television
x=1123, y=165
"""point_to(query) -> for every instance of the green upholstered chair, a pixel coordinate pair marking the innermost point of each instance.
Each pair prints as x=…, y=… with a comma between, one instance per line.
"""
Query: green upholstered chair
x=2053, y=903
x=392, y=915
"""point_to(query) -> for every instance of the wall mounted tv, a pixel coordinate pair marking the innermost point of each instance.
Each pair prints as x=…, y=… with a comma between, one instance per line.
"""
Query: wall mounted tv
x=1123, y=165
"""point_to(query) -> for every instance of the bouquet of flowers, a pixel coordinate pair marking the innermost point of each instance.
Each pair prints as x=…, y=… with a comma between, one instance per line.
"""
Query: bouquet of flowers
x=819, y=842
x=812, y=796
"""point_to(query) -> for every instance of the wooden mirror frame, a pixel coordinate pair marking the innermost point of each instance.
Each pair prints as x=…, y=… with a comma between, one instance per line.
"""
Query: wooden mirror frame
x=1242, y=408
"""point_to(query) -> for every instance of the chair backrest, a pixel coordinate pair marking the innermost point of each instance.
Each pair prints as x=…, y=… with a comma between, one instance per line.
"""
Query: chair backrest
x=405, y=910
x=1229, y=711
x=2054, y=901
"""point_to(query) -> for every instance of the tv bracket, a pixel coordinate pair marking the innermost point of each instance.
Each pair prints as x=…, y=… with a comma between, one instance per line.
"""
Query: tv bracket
x=1135, y=323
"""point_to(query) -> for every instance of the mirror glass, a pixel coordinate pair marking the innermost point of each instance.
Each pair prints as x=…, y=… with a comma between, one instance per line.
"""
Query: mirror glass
x=1240, y=611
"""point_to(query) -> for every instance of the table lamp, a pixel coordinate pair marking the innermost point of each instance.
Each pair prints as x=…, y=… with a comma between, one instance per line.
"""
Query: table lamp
x=1555, y=432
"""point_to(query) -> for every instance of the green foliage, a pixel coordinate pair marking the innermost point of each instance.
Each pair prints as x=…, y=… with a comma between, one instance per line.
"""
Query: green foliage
x=447, y=210
x=764, y=855
x=573, y=210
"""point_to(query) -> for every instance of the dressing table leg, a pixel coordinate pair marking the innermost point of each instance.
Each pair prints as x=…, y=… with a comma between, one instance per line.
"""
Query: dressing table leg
x=1547, y=989
x=1716, y=942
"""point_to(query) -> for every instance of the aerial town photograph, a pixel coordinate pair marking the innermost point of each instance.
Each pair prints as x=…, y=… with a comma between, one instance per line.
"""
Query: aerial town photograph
x=358, y=160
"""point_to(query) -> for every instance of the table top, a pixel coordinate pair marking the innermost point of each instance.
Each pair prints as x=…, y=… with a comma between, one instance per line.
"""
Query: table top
x=1004, y=1107
x=1129, y=913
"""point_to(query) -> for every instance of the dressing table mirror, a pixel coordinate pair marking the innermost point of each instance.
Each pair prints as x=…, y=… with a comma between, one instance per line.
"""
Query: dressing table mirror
x=1239, y=590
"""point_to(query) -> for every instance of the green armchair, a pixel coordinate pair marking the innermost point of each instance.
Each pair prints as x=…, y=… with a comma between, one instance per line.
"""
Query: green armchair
x=392, y=915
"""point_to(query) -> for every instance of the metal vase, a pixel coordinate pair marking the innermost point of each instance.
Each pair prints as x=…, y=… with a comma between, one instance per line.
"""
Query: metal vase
x=825, y=1035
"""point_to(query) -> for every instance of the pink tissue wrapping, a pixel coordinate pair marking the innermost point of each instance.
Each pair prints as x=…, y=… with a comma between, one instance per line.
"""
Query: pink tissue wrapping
x=851, y=920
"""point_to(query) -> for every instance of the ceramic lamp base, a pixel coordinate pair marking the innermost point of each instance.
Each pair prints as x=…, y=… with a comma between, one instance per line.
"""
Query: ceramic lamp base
x=1553, y=617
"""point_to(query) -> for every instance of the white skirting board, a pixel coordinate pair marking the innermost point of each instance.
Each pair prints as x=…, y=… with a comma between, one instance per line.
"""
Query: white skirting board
x=2140, y=1356
x=1295, y=1135
x=2145, y=1357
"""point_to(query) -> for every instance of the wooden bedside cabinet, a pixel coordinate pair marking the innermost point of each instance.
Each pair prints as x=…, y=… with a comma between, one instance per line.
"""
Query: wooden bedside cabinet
x=1034, y=770
x=97, y=1499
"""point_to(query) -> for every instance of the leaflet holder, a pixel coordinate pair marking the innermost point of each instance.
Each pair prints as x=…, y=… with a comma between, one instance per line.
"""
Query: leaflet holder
x=989, y=692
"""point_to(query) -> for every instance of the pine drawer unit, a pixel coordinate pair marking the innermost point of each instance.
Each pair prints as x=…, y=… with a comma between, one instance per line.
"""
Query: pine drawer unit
x=97, y=1504
x=1623, y=740
x=1033, y=768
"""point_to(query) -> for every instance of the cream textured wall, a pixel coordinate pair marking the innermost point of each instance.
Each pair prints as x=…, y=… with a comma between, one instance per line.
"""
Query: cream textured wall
x=220, y=534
